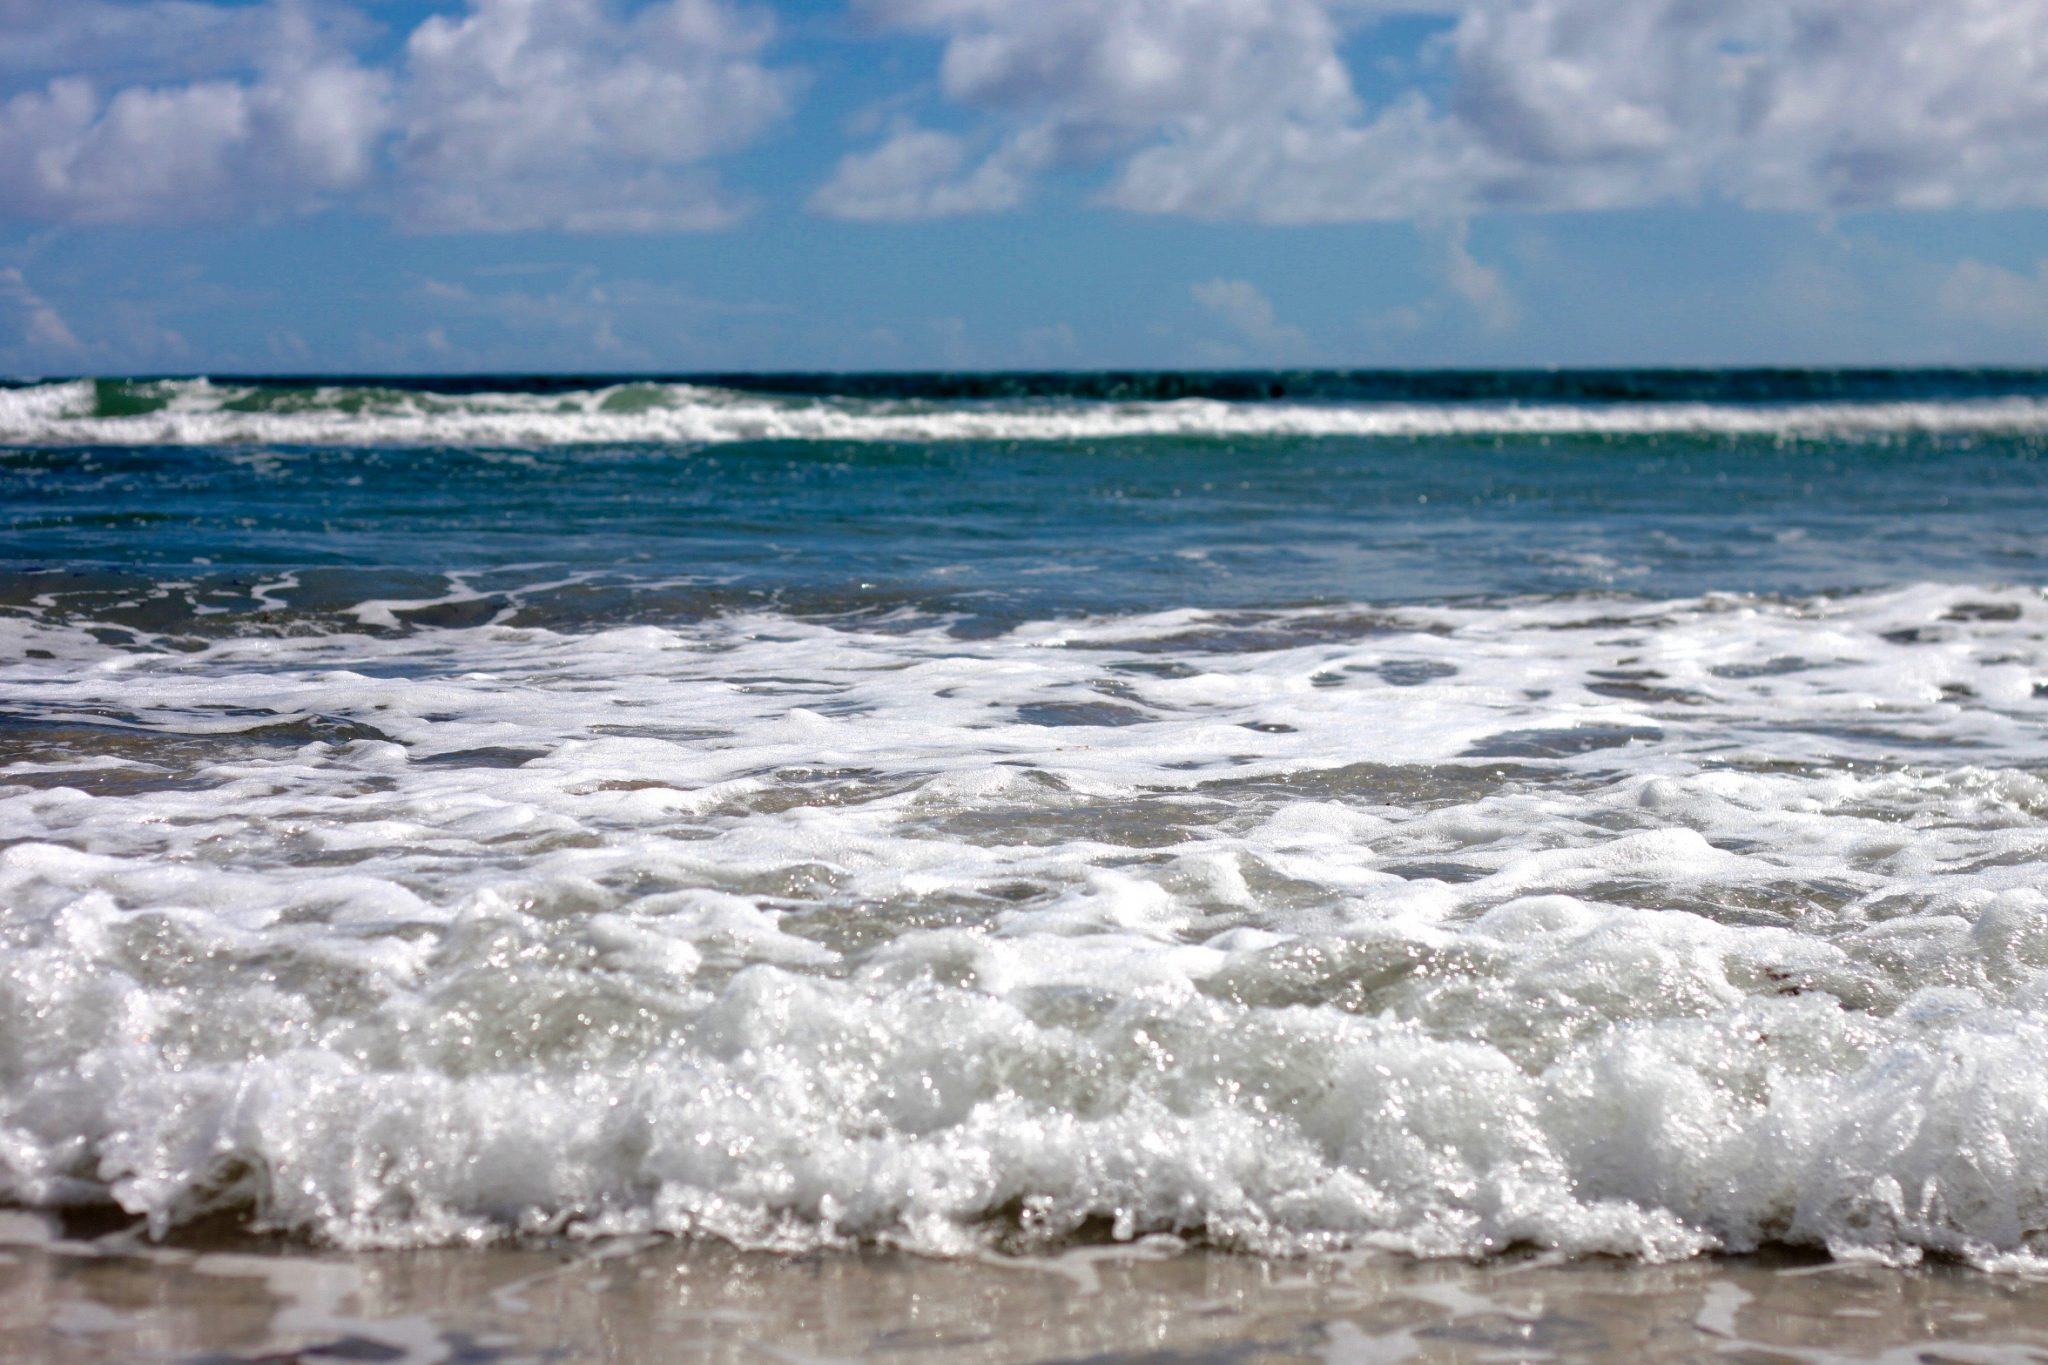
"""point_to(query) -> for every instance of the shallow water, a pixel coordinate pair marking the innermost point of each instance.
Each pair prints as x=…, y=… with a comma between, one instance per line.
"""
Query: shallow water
x=1611, y=825
x=74, y=1301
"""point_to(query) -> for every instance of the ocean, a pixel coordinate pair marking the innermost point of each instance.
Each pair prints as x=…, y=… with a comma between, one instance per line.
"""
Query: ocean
x=1598, y=812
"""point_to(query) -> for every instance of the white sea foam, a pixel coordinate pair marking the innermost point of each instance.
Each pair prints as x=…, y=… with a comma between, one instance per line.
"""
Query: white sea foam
x=1611, y=926
x=200, y=412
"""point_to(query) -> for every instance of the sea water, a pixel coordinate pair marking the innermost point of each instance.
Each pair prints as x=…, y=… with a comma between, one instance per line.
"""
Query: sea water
x=1602, y=812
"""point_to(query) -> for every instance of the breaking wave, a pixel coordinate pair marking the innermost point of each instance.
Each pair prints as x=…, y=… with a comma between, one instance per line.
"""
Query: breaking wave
x=1618, y=927
x=208, y=412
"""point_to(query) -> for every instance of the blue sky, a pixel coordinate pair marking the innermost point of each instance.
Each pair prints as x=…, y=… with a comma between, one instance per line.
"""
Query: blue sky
x=616, y=185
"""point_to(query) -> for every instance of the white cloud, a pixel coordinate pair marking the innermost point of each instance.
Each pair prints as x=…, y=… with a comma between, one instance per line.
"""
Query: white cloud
x=123, y=41
x=1479, y=285
x=915, y=174
x=612, y=115
x=1481, y=289
x=1076, y=81
x=1789, y=104
x=300, y=127
x=509, y=115
x=584, y=310
x=39, y=330
x=1246, y=109
x=569, y=114
x=1249, y=313
x=278, y=118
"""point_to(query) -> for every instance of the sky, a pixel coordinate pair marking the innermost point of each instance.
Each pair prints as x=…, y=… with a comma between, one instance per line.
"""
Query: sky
x=609, y=186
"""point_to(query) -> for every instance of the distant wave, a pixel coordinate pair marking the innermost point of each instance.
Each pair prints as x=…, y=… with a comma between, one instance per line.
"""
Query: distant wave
x=208, y=412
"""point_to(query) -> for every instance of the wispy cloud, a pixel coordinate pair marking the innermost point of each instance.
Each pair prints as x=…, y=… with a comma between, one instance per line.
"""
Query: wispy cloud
x=1992, y=296
x=1240, y=305
x=1480, y=286
x=916, y=173
x=40, y=330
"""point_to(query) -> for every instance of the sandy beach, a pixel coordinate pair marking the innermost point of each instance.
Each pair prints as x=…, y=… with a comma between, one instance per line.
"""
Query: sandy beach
x=69, y=1300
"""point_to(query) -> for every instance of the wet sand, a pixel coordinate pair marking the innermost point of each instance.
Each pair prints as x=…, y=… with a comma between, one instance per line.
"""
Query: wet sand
x=117, y=1298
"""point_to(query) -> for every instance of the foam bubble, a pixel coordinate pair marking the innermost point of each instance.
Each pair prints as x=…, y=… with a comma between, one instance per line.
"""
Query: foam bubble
x=1608, y=930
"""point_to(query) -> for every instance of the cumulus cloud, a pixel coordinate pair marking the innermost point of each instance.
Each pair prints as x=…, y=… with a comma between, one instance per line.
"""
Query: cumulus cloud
x=570, y=114
x=1246, y=108
x=1787, y=104
x=506, y=115
x=299, y=125
x=613, y=115
x=1075, y=81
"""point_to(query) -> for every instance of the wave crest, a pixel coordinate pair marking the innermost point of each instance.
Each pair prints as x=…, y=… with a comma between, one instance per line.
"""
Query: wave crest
x=201, y=412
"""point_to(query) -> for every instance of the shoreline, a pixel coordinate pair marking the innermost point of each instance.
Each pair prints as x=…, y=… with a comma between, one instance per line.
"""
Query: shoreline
x=116, y=1297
